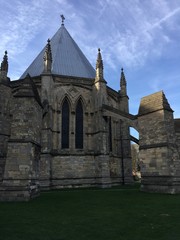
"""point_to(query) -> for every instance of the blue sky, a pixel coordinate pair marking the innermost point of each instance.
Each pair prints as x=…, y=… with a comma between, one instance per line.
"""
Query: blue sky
x=142, y=36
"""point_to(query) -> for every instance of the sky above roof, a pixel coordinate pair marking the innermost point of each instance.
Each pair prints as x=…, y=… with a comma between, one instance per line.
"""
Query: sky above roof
x=142, y=36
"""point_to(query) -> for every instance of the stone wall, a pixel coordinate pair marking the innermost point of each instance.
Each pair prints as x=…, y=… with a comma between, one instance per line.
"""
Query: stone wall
x=5, y=123
x=177, y=131
x=73, y=171
x=34, y=155
x=159, y=155
x=21, y=174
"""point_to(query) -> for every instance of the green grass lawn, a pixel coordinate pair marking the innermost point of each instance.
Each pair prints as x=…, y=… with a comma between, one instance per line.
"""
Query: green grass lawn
x=93, y=214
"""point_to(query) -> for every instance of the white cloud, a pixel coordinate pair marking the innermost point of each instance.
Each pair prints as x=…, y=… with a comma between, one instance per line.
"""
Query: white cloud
x=133, y=30
x=20, y=27
x=128, y=32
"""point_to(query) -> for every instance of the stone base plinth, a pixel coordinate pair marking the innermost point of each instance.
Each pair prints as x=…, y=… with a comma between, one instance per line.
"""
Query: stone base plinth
x=161, y=184
x=13, y=193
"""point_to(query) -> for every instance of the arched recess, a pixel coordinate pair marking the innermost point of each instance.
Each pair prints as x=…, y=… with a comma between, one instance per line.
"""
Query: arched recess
x=79, y=124
x=83, y=101
x=65, y=123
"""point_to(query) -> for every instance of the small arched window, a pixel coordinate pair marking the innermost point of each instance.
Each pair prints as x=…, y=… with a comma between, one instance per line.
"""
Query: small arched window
x=79, y=126
x=65, y=125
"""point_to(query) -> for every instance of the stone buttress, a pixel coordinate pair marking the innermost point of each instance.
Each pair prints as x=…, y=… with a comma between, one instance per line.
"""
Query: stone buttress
x=101, y=146
x=21, y=171
x=5, y=115
x=159, y=156
x=47, y=90
x=125, y=146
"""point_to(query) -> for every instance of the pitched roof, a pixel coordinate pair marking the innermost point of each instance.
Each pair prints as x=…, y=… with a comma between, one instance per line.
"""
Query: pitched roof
x=67, y=58
x=27, y=88
x=154, y=102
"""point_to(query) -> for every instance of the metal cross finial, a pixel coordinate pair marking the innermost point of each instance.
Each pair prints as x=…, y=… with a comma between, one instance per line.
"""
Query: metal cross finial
x=63, y=18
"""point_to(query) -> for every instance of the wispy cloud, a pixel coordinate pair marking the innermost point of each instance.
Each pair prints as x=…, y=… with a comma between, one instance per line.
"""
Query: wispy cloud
x=165, y=18
x=21, y=27
x=131, y=32
x=24, y=24
x=168, y=83
x=128, y=32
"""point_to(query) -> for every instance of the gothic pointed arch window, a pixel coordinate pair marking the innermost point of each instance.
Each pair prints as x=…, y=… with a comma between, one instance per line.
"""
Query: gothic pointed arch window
x=79, y=125
x=65, y=125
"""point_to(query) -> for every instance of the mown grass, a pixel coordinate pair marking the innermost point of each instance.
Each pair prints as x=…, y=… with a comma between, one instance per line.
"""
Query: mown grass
x=92, y=214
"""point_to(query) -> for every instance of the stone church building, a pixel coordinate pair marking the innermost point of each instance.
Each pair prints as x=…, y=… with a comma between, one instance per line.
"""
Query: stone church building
x=61, y=126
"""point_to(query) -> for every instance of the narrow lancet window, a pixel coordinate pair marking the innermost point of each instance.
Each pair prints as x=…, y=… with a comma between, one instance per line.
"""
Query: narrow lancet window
x=79, y=126
x=65, y=124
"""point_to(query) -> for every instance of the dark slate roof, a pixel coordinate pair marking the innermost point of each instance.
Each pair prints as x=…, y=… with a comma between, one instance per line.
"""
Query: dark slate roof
x=68, y=59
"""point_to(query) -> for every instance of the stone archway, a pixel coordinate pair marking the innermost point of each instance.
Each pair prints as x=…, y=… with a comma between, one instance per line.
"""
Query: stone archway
x=136, y=171
x=126, y=121
x=158, y=150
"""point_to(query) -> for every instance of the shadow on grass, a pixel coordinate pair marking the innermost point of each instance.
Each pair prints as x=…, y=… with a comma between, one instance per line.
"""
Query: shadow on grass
x=114, y=213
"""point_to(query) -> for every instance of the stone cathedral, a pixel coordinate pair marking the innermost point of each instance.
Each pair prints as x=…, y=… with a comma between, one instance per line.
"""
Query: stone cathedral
x=61, y=126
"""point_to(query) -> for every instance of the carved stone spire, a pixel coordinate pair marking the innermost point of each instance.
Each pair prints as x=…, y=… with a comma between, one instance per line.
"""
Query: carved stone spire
x=123, y=84
x=4, y=64
x=123, y=79
x=123, y=92
x=99, y=83
x=99, y=66
x=4, y=69
x=47, y=57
